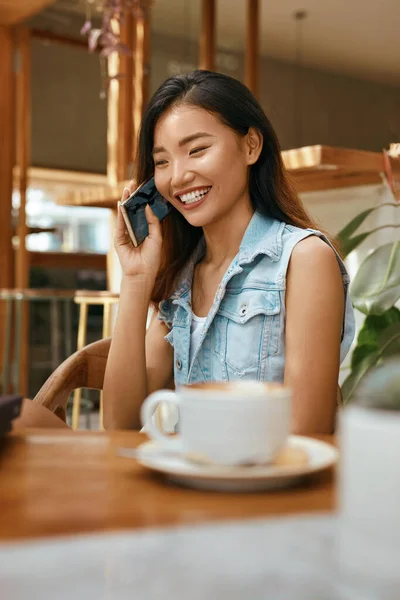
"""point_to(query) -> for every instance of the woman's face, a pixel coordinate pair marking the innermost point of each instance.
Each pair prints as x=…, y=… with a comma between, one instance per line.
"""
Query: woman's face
x=201, y=165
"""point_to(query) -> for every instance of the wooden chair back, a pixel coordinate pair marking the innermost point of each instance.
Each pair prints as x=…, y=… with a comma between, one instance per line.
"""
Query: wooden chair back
x=84, y=369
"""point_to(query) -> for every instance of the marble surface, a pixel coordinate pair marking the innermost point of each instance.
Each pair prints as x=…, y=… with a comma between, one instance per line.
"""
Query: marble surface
x=279, y=559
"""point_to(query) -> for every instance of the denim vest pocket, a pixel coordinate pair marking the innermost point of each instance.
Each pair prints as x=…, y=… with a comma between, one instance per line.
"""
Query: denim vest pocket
x=249, y=325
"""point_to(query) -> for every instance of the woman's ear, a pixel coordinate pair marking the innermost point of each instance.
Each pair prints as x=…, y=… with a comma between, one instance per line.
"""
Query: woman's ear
x=254, y=144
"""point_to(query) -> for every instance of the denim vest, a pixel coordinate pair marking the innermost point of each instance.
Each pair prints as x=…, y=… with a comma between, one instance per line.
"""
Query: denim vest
x=244, y=333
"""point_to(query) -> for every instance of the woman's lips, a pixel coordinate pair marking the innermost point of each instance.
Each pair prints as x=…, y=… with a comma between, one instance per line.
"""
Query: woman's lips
x=194, y=205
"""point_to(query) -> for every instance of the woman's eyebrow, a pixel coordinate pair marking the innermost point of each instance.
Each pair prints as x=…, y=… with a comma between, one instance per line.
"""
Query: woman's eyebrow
x=185, y=140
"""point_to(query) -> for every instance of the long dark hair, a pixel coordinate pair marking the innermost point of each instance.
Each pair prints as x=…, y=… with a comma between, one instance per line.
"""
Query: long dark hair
x=271, y=192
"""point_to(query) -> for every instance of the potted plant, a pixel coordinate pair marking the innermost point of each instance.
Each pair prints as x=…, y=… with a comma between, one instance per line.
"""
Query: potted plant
x=375, y=291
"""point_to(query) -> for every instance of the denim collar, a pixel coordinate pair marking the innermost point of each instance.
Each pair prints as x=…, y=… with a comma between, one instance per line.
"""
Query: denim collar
x=262, y=236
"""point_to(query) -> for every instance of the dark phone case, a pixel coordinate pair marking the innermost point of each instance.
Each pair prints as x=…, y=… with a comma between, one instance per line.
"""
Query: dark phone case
x=134, y=209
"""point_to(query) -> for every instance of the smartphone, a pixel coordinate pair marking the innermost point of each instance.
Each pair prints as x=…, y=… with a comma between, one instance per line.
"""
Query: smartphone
x=132, y=210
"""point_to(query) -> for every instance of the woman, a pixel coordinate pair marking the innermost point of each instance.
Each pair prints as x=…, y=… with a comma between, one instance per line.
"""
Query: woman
x=246, y=285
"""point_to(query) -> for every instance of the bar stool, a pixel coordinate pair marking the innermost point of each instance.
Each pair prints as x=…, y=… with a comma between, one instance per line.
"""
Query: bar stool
x=86, y=298
x=59, y=299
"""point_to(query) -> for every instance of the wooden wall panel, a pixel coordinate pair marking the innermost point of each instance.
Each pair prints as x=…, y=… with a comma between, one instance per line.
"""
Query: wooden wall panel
x=7, y=159
x=252, y=45
x=207, y=35
x=125, y=99
x=23, y=147
x=23, y=141
x=14, y=11
x=7, y=153
x=141, y=71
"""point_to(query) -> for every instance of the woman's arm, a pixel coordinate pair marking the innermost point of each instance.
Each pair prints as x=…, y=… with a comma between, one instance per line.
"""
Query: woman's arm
x=314, y=320
x=138, y=363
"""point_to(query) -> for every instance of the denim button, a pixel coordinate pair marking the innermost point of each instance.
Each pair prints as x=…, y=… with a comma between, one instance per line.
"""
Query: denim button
x=164, y=305
x=243, y=310
x=178, y=364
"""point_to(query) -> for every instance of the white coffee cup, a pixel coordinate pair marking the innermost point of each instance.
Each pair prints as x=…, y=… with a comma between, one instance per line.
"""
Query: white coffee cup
x=368, y=546
x=230, y=423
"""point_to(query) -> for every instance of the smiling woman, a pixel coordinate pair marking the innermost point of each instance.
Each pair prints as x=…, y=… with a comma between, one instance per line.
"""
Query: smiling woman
x=248, y=287
x=193, y=170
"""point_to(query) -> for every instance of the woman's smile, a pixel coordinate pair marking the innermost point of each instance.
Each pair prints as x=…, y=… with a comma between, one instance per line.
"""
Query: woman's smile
x=193, y=197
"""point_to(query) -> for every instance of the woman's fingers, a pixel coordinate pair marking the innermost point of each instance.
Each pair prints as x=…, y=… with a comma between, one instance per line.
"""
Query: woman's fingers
x=154, y=224
x=125, y=194
x=121, y=235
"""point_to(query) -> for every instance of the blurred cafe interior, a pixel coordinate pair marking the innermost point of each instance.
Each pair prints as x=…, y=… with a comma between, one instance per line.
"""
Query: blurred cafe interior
x=327, y=75
x=328, y=81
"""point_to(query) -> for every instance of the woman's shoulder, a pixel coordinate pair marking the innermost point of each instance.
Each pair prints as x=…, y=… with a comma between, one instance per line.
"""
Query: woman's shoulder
x=313, y=252
x=307, y=242
x=314, y=269
x=310, y=251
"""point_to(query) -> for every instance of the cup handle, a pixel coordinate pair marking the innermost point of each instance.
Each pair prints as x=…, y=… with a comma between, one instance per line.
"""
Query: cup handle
x=147, y=411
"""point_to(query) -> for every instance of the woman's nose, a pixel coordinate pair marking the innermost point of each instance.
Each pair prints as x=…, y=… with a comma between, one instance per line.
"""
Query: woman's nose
x=181, y=177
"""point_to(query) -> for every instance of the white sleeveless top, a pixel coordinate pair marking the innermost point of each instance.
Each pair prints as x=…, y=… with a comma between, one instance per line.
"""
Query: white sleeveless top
x=195, y=334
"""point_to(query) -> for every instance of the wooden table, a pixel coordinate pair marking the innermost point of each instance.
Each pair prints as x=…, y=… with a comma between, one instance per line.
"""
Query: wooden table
x=55, y=481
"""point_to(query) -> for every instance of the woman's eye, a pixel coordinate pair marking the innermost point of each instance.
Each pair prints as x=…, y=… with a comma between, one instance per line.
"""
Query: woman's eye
x=196, y=150
x=160, y=163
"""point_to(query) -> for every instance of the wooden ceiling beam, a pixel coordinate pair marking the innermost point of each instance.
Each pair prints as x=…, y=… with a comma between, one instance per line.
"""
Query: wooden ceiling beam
x=15, y=11
x=330, y=157
x=63, y=40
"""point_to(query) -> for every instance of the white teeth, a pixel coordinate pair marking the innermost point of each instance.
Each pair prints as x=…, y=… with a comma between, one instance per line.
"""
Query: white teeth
x=192, y=197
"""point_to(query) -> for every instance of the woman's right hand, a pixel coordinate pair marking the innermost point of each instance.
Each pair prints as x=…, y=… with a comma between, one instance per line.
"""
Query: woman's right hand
x=143, y=261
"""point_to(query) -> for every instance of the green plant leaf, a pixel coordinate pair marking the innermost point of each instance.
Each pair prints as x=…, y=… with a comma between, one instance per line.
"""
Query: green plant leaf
x=360, y=352
x=351, y=383
x=346, y=242
x=374, y=326
x=376, y=286
x=350, y=244
x=380, y=388
x=389, y=341
x=387, y=346
x=354, y=224
x=371, y=332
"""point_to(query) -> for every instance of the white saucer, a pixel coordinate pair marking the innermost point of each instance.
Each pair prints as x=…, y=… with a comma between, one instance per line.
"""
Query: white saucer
x=237, y=479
